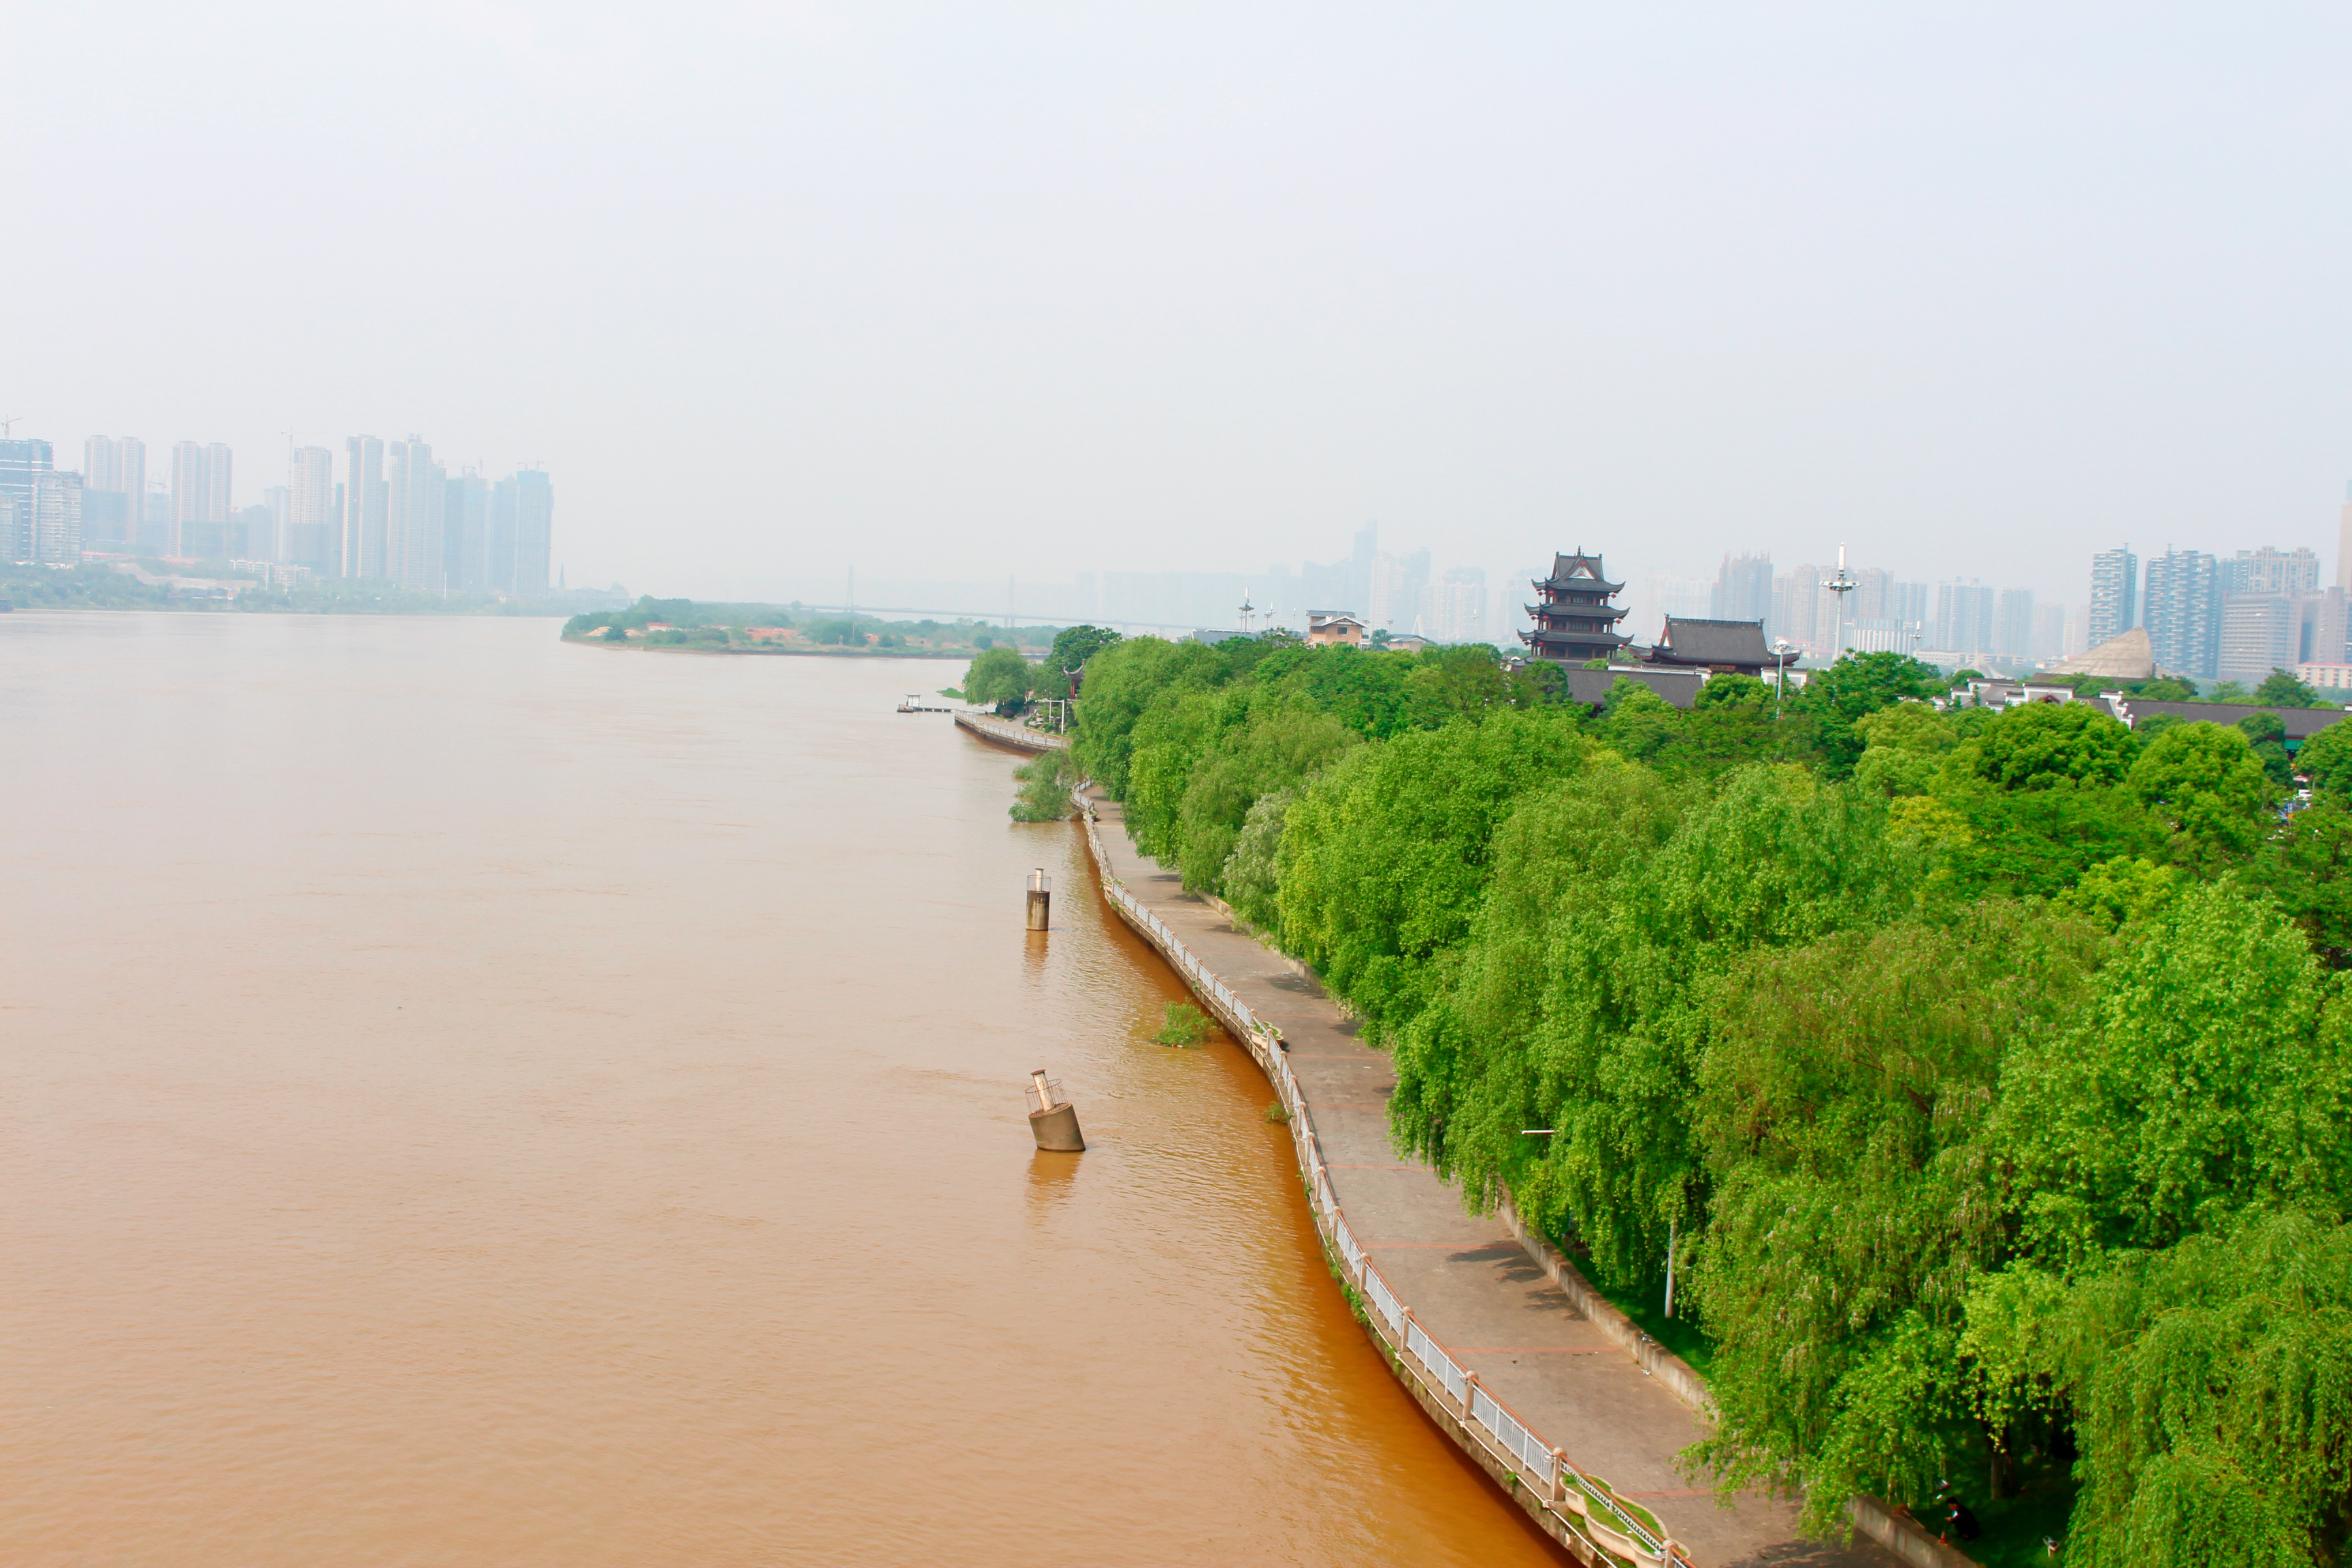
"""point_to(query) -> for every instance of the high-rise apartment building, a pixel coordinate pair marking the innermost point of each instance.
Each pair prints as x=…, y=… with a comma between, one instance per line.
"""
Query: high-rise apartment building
x=55, y=515
x=21, y=458
x=364, y=504
x=277, y=501
x=2264, y=624
x=2344, y=544
x=313, y=532
x=1964, y=618
x=2012, y=625
x=1743, y=589
x=113, y=487
x=2049, y=634
x=465, y=534
x=2115, y=593
x=534, y=531
x=416, y=498
x=201, y=499
x=2182, y=612
x=2270, y=570
x=1457, y=606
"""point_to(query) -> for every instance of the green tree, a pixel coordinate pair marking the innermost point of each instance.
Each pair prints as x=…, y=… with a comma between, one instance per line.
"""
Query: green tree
x=2306, y=866
x=2206, y=782
x=1385, y=855
x=1073, y=646
x=2201, y=1078
x=1857, y=685
x=1280, y=746
x=2281, y=688
x=999, y=678
x=1046, y=781
x=2266, y=733
x=2041, y=744
x=1841, y=1107
x=2209, y=1387
x=2327, y=759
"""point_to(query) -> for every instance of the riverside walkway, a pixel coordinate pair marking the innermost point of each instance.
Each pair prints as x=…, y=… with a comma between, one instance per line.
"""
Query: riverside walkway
x=1469, y=1284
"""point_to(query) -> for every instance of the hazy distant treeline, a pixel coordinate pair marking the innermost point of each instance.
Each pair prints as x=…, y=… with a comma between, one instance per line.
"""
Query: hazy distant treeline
x=776, y=628
x=219, y=586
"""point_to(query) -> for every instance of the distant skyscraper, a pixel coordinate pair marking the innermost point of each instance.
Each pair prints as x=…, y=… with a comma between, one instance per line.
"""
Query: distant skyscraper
x=314, y=529
x=2270, y=570
x=2182, y=612
x=1459, y=606
x=2012, y=624
x=2266, y=622
x=465, y=534
x=278, y=501
x=364, y=503
x=2049, y=632
x=1964, y=618
x=416, y=498
x=113, y=489
x=534, y=531
x=57, y=518
x=1743, y=589
x=21, y=460
x=2115, y=593
x=201, y=499
x=2344, y=544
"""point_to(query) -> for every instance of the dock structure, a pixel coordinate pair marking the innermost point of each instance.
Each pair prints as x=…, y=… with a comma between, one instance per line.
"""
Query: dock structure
x=1561, y=1400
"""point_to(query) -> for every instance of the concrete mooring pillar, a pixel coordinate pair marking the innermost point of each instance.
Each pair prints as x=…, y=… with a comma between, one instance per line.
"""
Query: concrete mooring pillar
x=1053, y=1121
x=1041, y=898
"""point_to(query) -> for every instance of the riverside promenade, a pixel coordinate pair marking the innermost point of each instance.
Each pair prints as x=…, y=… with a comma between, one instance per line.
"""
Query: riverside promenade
x=1494, y=1310
x=1004, y=733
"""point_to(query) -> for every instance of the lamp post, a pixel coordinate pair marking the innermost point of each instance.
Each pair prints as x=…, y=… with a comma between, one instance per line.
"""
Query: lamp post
x=1781, y=649
x=1841, y=586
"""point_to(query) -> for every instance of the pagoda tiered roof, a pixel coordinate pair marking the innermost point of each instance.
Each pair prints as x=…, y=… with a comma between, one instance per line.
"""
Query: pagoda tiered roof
x=1579, y=571
x=1540, y=637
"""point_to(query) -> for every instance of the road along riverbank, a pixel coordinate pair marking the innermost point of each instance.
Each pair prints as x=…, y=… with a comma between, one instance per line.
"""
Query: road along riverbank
x=1504, y=1345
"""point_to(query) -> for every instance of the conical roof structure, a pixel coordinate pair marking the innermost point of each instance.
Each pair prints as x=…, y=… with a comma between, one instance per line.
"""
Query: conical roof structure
x=2130, y=656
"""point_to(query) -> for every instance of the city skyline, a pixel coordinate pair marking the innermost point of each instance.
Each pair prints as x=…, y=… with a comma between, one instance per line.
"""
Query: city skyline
x=423, y=528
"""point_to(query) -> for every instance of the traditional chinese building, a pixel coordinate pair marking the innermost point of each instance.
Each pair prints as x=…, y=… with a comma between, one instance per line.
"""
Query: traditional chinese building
x=1719, y=647
x=1576, y=622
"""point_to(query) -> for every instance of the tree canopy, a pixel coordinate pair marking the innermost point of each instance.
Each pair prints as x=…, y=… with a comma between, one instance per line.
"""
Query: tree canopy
x=1988, y=1075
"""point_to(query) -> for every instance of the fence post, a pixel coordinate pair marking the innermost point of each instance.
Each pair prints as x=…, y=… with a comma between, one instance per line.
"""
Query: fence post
x=1469, y=1396
x=1560, y=1477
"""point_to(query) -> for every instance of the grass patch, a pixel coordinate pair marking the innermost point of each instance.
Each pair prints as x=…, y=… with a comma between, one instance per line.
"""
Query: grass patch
x=1181, y=1025
x=1276, y=1114
x=1646, y=1306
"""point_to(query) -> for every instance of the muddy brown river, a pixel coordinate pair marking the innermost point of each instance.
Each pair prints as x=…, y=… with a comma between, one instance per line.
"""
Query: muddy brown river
x=474, y=1100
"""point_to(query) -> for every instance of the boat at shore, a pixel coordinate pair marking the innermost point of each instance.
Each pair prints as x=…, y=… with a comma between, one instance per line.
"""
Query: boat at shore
x=916, y=702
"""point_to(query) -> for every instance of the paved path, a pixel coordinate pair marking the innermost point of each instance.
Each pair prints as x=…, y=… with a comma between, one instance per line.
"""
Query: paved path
x=1465, y=1278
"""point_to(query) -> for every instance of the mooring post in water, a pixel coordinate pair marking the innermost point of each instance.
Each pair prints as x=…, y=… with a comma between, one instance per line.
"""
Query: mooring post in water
x=1041, y=898
x=1055, y=1122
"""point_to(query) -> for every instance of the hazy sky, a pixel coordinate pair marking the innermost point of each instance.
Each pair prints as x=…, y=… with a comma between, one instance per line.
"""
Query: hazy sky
x=960, y=290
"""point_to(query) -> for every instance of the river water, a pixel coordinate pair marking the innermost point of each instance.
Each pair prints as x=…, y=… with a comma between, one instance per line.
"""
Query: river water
x=472, y=1100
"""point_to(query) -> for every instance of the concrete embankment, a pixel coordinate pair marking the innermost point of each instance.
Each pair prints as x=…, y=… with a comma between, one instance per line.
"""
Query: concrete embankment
x=1006, y=733
x=1538, y=1380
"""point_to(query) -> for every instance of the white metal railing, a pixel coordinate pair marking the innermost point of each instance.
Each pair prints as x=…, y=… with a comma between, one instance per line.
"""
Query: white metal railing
x=1584, y=1506
x=1012, y=733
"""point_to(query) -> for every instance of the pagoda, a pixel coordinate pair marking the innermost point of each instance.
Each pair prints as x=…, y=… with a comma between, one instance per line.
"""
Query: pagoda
x=1576, y=622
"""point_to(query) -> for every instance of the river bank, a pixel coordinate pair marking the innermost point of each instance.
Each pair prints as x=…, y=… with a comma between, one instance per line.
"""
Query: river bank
x=1497, y=1337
